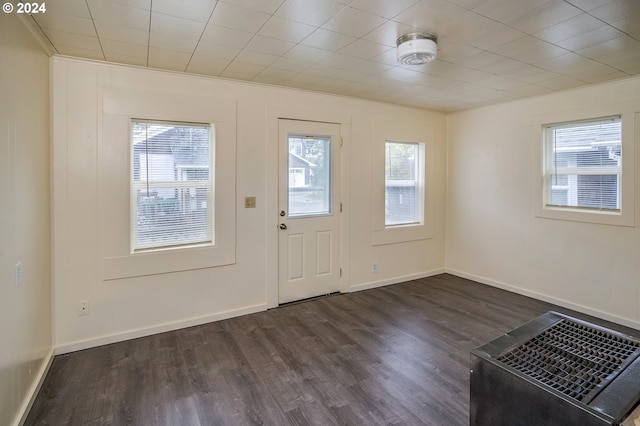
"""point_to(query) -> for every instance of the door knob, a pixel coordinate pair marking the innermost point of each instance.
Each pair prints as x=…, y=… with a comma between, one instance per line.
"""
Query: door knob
x=283, y=226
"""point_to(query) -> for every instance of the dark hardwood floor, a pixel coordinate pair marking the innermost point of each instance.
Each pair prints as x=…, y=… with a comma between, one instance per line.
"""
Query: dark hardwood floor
x=392, y=355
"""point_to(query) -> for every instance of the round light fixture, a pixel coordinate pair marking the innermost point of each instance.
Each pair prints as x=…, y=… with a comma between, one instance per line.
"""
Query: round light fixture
x=417, y=48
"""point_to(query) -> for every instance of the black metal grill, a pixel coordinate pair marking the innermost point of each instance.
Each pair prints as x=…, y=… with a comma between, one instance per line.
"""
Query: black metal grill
x=572, y=358
x=556, y=370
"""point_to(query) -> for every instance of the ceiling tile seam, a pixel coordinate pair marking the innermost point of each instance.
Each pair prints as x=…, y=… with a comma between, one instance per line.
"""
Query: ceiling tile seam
x=300, y=43
x=601, y=20
x=356, y=39
x=95, y=29
x=362, y=38
x=399, y=13
x=506, y=24
x=498, y=75
x=317, y=27
x=553, y=44
x=149, y=32
x=45, y=35
x=251, y=39
x=200, y=38
x=263, y=25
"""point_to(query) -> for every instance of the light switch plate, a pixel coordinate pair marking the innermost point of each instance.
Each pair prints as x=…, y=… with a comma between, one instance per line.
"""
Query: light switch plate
x=249, y=202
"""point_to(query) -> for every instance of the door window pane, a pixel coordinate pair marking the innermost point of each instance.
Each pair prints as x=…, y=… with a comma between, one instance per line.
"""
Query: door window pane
x=309, y=164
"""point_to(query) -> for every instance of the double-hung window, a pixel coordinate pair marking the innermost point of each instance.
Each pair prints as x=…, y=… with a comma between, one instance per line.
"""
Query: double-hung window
x=404, y=187
x=583, y=165
x=404, y=182
x=171, y=185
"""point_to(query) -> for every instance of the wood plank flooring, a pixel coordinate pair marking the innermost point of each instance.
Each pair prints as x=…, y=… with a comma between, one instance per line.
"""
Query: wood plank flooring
x=396, y=355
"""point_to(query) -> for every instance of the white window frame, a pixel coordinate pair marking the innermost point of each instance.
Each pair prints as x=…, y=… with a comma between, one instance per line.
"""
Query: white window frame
x=403, y=132
x=208, y=185
x=121, y=105
x=418, y=181
x=625, y=216
x=573, y=171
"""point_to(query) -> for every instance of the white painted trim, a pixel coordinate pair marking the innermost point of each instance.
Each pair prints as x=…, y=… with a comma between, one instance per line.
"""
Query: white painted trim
x=32, y=392
x=274, y=113
x=382, y=283
x=539, y=296
x=156, y=329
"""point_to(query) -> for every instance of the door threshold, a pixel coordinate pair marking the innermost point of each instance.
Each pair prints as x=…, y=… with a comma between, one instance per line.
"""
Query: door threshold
x=308, y=299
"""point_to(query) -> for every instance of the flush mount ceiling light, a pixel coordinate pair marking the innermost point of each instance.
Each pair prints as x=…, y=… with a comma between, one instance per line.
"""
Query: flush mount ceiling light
x=417, y=48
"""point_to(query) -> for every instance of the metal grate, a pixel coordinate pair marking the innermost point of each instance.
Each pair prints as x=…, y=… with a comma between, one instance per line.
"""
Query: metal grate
x=572, y=358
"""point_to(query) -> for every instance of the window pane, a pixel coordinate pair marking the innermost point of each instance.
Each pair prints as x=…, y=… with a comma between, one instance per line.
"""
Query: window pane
x=583, y=164
x=401, y=183
x=309, y=176
x=171, y=185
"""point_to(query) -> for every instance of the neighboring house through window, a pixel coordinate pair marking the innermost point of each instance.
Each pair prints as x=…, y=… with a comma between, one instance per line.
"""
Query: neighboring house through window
x=403, y=185
x=583, y=165
x=171, y=185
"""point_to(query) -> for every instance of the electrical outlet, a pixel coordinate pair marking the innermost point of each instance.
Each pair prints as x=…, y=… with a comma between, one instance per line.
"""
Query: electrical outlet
x=18, y=271
x=83, y=308
x=374, y=267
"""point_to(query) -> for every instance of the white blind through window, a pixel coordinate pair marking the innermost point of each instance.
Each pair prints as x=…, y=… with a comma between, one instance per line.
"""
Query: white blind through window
x=171, y=185
x=403, y=205
x=583, y=164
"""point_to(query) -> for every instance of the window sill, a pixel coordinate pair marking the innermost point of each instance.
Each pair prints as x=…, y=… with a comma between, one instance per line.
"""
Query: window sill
x=586, y=216
x=165, y=261
x=401, y=233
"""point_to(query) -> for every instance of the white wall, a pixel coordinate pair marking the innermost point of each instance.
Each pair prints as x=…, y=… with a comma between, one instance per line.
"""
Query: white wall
x=25, y=311
x=492, y=234
x=85, y=177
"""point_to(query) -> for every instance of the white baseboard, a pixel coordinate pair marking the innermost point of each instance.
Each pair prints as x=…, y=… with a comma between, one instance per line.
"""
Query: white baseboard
x=545, y=298
x=382, y=283
x=155, y=329
x=33, y=390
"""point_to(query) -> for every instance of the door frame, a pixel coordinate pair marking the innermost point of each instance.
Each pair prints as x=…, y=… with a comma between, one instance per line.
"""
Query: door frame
x=305, y=227
x=274, y=114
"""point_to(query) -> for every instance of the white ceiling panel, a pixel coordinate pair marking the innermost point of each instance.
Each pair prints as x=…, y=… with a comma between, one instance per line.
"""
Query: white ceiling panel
x=353, y=22
x=238, y=17
x=488, y=50
x=365, y=49
x=113, y=47
x=307, y=53
x=311, y=12
x=218, y=51
x=265, y=6
x=241, y=70
x=285, y=29
x=55, y=21
x=168, y=59
x=193, y=10
x=327, y=40
x=206, y=65
x=63, y=38
x=226, y=36
x=116, y=32
x=72, y=7
x=256, y=58
x=547, y=15
x=176, y=27
x=271, y=46
x=504, y=11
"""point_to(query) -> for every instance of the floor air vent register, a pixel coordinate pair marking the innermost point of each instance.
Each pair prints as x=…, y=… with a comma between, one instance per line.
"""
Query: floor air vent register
x=556, y=370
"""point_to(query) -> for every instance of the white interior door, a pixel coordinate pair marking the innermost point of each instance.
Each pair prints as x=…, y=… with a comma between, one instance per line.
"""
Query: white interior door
x=309, y=209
